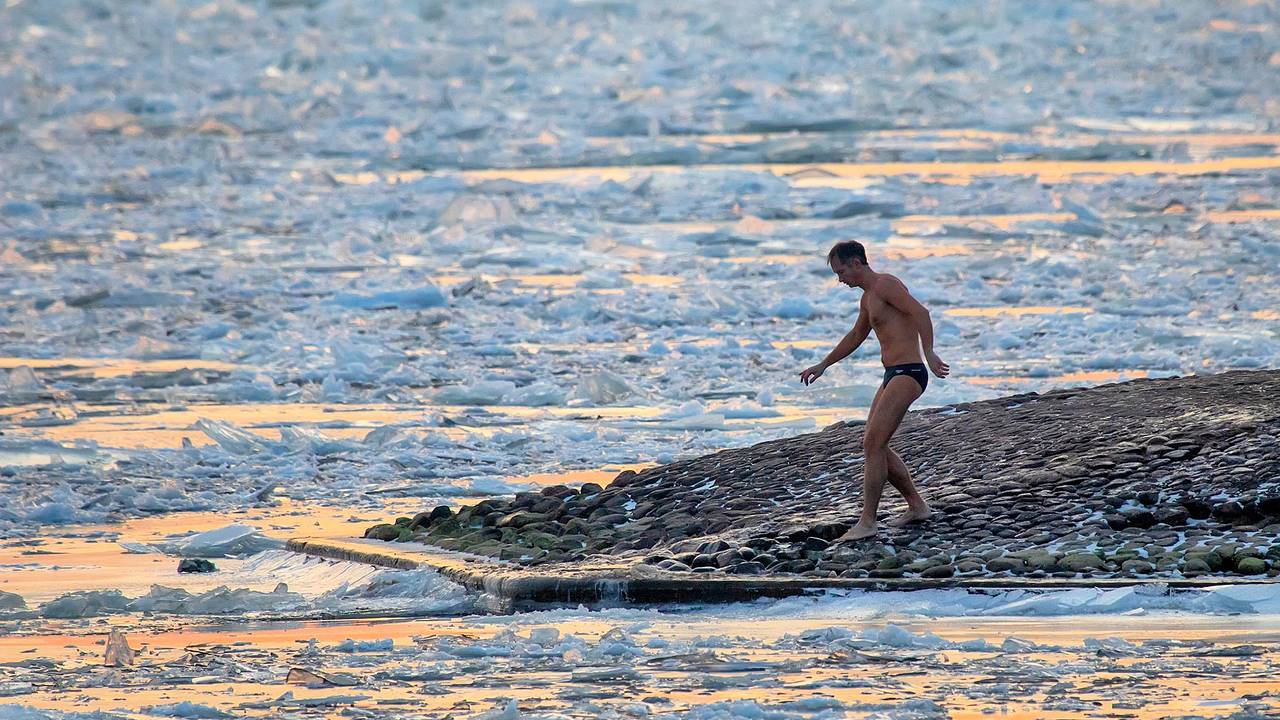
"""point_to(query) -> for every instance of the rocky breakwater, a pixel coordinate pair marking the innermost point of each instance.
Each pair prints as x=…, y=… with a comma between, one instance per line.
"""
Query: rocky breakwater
x=1165, y=478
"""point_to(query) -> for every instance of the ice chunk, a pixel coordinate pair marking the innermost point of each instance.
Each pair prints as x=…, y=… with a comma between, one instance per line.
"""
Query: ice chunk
x=12, y=601
x=89, y=603
x=22, y=382
x=704, y=421
x=495, y=486
x=484, y=392
x=507, y=710
x=118, y=652
x=319, y=678
x=793, y=308
x=746, y=410
x=855, y=395
x=131, y=297
x=223, y=542
x=219, y=601
x=537, y=394
x=186, y=709
x=427, y=296
x=606, y=674
x=231, y=438
x=23, y=712
x=544, y=636
x=474, y=209
x=602, y=387
x=603, y=279
x=363, y=646
x=896, y=636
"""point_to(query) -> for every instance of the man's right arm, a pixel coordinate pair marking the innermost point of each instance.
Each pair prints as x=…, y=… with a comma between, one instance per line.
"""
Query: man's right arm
x=850, y=342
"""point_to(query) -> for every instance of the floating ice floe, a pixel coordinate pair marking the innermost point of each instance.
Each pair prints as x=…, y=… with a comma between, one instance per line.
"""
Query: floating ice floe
x=218, y=601
x=603, y=387
x=187, y=709
x=87, y=603
x=364, y=646
x=793, y=308
x=428, y=296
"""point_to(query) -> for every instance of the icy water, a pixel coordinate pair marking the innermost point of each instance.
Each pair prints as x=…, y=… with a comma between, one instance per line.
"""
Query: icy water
x=300, y=265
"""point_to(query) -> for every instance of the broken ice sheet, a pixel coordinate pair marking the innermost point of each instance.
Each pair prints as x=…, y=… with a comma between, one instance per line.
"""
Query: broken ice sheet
x=319, y=678
x=226, y=541
x=187, y=709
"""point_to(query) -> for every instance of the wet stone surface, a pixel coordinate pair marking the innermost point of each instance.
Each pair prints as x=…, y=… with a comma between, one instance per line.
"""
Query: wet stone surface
x=1175, y=477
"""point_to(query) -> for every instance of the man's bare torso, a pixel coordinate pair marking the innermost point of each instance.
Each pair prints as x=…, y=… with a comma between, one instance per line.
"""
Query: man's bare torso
x=897, y=333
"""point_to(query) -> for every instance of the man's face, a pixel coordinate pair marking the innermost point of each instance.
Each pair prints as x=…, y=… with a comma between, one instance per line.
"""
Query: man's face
x=846, y=272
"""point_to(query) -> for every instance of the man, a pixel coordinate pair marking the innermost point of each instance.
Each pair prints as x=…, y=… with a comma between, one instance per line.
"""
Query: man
x=904, y=330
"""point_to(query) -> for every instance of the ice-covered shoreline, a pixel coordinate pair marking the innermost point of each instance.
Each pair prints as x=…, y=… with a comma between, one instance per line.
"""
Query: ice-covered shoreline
x=220, y=207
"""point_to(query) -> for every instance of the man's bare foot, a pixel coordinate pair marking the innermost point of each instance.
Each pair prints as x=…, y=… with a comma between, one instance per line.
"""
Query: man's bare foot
x=911, y=516
x=859, y=531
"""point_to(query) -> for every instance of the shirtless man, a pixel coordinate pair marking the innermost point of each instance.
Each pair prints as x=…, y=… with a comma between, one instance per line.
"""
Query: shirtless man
x=903, y=328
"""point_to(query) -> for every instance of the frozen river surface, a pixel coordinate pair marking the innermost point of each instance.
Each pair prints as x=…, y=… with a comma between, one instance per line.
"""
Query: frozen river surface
x=363, y=255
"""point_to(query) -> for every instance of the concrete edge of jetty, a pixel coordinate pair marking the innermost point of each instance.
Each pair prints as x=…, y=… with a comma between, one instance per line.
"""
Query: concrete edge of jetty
x=510, y=588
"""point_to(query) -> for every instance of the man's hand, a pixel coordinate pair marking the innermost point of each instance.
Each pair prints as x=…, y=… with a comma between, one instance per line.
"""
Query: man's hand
x=938, y=367
x=811, y=374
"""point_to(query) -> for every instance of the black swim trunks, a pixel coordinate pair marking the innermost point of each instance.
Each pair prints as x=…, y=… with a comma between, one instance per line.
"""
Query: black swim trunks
x=916, y=371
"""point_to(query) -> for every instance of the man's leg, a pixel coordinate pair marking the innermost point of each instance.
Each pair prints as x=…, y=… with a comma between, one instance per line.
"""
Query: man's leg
x=890, y=407
x=900, y=478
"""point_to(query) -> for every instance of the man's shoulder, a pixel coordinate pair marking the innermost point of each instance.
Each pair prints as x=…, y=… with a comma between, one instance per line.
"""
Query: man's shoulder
x=885, y=281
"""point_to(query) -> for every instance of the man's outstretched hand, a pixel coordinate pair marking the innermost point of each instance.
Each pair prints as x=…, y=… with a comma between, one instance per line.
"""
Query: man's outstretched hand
x=813, y=373
x=938, y=367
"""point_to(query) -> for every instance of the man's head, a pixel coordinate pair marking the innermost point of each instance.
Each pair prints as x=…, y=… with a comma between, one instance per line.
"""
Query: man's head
x=848, y=260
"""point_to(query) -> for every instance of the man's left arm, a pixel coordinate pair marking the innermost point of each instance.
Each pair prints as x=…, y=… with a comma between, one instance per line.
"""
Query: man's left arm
x=896, y=294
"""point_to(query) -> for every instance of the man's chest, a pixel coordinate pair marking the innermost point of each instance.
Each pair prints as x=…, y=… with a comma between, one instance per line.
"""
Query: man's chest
x=878, y=311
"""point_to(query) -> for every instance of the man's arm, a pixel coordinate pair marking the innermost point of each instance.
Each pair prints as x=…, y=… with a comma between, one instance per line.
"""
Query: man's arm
x=843, y=349
x=895, y=293
x=851, y=341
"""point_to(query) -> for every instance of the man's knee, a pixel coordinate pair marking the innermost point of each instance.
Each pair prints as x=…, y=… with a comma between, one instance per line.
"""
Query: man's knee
x=875, y=443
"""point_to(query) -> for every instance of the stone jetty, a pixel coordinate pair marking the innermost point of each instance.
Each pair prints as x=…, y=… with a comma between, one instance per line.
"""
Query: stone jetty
x=1168, y=478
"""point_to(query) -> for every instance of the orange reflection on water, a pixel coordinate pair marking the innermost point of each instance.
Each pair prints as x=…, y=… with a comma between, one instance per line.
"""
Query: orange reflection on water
x=1234, y=216
x=86, y=563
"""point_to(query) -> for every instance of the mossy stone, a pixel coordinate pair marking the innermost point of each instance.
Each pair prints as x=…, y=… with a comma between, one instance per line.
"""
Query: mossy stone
x=1251, y=566
x=384, y=532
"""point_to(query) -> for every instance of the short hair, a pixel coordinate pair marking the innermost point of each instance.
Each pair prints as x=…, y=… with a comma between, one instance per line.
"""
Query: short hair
x=847, y=250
